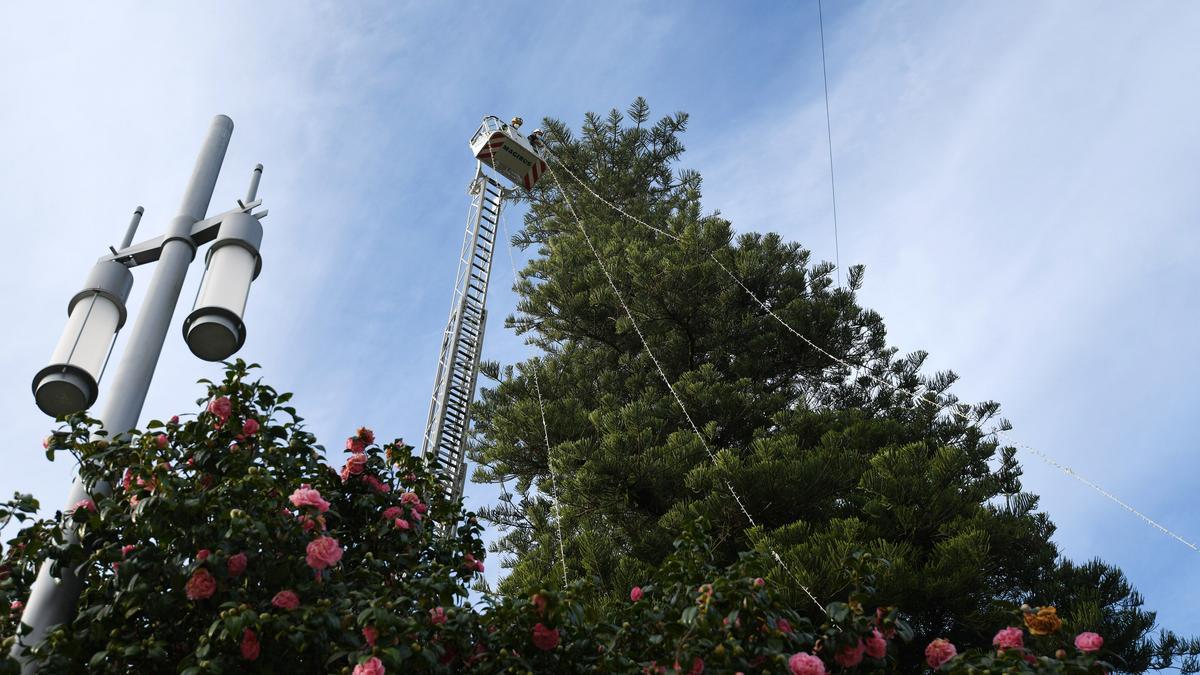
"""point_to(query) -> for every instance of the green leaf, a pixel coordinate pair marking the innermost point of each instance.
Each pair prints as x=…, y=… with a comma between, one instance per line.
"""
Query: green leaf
x=689, y=614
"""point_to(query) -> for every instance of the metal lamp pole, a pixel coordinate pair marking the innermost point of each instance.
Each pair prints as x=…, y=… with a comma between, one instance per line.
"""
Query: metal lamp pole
x=213, y=331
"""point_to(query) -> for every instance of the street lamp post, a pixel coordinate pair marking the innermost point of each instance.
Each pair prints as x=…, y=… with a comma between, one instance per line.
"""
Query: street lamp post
x=213, y=331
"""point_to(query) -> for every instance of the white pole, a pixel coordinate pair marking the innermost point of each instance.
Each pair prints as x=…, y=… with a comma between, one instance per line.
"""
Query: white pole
x=52, y=602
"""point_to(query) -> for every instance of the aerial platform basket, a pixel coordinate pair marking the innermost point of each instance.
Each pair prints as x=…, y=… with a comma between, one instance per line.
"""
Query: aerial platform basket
x=500, y=145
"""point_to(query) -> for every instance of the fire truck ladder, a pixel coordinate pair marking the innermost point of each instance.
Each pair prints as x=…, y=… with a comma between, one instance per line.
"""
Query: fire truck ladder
x=445, y=444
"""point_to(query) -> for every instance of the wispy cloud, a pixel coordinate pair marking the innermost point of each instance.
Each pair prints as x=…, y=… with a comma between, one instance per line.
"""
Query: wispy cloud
x=1019, y=182
x=1017, y=178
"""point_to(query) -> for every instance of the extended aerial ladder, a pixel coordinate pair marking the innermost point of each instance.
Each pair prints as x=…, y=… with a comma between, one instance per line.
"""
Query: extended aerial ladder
x=517, y=158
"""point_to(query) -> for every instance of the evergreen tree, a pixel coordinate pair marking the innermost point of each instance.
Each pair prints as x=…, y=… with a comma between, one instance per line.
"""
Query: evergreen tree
x=826, y=459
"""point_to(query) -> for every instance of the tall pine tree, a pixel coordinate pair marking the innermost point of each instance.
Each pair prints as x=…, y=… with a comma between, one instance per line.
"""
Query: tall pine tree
x=825, y=459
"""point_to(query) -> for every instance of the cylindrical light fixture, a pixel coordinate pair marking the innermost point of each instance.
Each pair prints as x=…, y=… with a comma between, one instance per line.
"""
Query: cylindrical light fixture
x=214, y=330
x=71, y=382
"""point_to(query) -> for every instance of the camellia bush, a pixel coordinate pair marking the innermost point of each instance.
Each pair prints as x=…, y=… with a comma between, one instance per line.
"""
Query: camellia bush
x=227, y=544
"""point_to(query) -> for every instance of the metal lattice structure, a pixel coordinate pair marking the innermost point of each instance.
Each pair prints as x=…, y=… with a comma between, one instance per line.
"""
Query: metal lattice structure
x=458, y=366
x=511, y=156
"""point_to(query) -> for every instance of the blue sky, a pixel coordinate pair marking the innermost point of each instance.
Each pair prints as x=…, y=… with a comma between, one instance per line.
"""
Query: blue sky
x=1018, y=178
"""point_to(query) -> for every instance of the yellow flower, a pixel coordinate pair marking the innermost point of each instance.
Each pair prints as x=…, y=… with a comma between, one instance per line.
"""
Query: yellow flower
x=1044, y=622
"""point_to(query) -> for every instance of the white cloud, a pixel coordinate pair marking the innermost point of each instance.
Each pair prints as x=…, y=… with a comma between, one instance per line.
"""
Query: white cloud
x=1019, y=181
x=110, y=105
x=1017, y=178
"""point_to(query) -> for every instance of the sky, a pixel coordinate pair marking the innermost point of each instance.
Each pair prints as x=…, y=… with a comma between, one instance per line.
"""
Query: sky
x=1017, y=177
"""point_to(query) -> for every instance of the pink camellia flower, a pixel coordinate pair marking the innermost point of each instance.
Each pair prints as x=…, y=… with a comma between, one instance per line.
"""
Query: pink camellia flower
x=371, y=666
x=437, y=616
x=806, y=664
x=392, y=512
x=161, y=441
x=469, y=560
x=310, y=524
x=202, y=555
x=127, y=480
x=355, y=446
x=250, y=426
x=939, y=652
x=410, y=498
x=174, y=419
x=417, y=516
x=539, y=603
x=420, y=507
x=85, y=504
x=46, y=442
x=201, y=586
x=149, y=484
x=249, y=645
x=286, y=600
x=783, y=625
x=236, y=564
x=376, y=484
x=221, y=408
x=370, y=635
x=366, y=435
x=127, y=549
x=697, y=666
x=16, y=605
x=1088, y=642
x=876, y=645
x=636, y=594
x=760, y=582
x=545, y=638
x=306, y=496
x=355, y=465
x=402, y=524
x=1009, y=638
x=848, y=657
x=323, y=552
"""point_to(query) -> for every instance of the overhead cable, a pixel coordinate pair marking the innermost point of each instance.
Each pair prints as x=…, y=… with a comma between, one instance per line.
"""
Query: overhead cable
x=700, y=436
x=562, y=556
x=537, y=388
x=915, y=397
x=829, y=141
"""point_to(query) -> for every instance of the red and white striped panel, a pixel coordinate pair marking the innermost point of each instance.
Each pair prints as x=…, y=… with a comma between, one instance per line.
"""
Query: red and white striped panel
x=492, y=146
x=490, y=153
x=535, y=172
